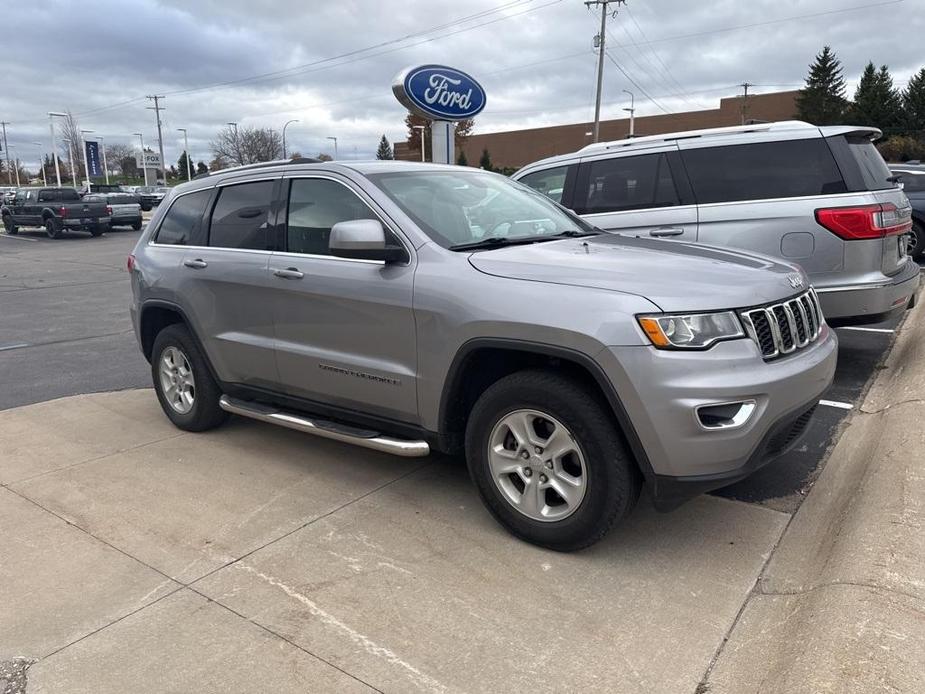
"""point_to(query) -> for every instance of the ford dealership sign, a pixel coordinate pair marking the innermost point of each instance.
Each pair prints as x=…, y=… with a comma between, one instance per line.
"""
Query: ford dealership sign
x=438, y=92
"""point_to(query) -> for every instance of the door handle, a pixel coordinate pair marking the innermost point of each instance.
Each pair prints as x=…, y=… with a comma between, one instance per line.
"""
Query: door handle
x=666, y=231
x=290, y=273
x=196, y=264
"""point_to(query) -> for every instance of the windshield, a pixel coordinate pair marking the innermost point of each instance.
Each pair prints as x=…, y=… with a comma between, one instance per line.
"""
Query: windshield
x=461, y=208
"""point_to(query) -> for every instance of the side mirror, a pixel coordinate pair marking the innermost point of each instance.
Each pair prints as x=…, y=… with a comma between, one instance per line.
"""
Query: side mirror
x=363, y=239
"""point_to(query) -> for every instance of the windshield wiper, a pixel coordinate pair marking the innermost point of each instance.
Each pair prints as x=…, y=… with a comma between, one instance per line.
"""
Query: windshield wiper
x=492, y=242
x=573, y=234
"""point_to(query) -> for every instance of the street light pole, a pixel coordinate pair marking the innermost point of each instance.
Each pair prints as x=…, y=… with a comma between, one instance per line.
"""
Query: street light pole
x=237, y=148
x=189, y=173
x=335, y=145
x=144, y=166
x=70, y=152
x=421, y=128
x=6, y=153
x=54, y=145
x=632, y=112
x=295, y=120
x=42, y=164
x=83, y=147
x=105, y=163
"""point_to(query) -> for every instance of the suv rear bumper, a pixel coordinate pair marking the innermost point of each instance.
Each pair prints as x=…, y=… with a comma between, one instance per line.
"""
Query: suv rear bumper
x=661, y=391
x=856, y=304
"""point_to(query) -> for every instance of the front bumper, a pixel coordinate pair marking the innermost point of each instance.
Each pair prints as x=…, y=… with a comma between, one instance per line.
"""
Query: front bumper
x=660, y=391
x=856, y=304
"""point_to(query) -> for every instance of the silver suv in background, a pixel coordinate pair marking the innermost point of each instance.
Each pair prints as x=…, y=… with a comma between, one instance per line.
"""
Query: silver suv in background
x=412, y=307
x=821, y=197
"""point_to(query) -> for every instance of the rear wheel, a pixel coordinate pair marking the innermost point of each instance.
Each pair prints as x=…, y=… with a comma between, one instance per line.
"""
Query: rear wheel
x=549, y=461
x=916, y=241
x=136, y=226
x=184, y=385
x=52, y=228
x=96, y=230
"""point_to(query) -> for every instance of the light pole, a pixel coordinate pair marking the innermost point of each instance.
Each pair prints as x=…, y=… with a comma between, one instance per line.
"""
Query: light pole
x=632, y=112
x=83, y=147
x=15, y=166
x=330, y=137
x=237, y=150
x=189, y=173
x=54, y=145
x=144, y=167
x=70, y=151
x=295, y=120
x=105, y=163
x=42, y=164
x=6, y=150
x=421, y=128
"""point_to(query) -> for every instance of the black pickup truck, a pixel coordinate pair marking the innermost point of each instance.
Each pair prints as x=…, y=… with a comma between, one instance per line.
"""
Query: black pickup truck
x=57, y=210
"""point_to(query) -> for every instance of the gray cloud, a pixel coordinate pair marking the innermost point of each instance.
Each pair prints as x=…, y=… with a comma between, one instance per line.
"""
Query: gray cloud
x=534, y=58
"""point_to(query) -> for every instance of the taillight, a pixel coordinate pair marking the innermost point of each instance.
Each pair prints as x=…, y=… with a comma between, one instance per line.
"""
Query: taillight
x=865, y=221
x=130, y=263
x=109, y=210
x=63, y=212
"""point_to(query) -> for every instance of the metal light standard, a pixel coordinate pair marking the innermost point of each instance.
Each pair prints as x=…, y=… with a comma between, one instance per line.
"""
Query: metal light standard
x=83, y=147
x=237, y=149
x=42, y=164
x=421, y=128
x=54, y=145
x=70, y=154
x=295, y=120
x=144, y=167
x=335, y=145
x=632, y=112
x=189, y=173
x=105, y=163
x=15, y=165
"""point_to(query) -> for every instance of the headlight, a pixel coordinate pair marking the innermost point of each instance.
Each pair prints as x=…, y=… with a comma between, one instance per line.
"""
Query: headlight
x=691, y=331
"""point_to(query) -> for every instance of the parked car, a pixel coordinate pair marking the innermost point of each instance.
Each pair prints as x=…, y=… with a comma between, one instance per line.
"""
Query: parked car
x=7, y=193
x=410, y=307
x=56, y=209
x=820, y=197
x=912, y=177
x=151, y=196
x=125, y=208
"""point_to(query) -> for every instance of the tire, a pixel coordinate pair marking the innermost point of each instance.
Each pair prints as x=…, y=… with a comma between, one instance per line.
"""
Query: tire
x=599, y=460
x=96, y=230
x=52, y=229
x=146, y=208
x=203, y=411
x=136, y=226
x=917, y=241
x=11, y=228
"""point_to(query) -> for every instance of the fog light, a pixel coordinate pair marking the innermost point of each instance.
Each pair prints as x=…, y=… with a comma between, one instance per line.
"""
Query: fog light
x=725, y=415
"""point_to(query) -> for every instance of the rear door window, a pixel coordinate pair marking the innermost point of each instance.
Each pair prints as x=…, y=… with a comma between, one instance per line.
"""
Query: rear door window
x=182, y=224
x=764, y=170
x=626, y=183
x=68, y=195
x=549, y=182
x=240, y=216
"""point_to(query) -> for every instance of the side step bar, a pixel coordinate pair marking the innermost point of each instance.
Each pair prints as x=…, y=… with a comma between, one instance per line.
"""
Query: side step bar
x=324, y=428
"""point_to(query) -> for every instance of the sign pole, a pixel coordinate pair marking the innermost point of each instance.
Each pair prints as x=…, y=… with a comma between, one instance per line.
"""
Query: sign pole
x=83, y=145
x=442, y=142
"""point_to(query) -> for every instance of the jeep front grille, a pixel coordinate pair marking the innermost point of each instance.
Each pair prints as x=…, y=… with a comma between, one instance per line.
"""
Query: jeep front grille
x=784, y=328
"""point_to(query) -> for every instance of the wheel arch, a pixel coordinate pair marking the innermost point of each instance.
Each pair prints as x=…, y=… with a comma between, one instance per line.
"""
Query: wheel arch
x=482, y=361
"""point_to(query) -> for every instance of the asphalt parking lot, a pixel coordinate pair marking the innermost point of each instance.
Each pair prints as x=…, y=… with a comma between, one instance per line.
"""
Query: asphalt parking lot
x=254, y=558
x=65, y=330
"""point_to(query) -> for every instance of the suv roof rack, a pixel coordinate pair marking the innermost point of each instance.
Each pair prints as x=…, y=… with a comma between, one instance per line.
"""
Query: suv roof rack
x=260, y=165
x=706, y=132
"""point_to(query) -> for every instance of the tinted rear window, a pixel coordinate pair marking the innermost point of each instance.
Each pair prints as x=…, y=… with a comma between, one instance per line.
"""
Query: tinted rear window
x=239, y=219
x=874, y=170
x=182, y=223
x=626, y=183
x=763, y=170
x=68, y=195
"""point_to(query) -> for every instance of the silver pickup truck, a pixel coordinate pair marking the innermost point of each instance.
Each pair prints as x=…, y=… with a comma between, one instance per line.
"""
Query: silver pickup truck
x=411, y=308
x=125, y=207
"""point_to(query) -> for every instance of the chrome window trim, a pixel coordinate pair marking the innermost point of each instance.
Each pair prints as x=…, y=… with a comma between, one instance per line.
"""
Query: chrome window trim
x=641, y=209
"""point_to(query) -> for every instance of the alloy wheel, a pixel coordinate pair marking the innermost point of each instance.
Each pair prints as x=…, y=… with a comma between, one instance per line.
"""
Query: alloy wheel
x=177, y=382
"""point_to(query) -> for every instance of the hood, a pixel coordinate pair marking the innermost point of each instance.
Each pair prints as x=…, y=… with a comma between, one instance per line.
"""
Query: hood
x=674, y=275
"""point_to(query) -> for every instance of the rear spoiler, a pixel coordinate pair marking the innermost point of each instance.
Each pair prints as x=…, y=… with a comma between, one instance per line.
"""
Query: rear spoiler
x=867, y=131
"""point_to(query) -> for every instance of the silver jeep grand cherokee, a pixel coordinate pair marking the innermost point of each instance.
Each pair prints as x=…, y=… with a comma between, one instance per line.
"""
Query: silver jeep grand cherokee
x=412, y=307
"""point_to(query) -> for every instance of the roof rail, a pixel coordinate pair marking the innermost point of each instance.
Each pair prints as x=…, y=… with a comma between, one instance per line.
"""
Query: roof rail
x=260, y=165
x=706, y=132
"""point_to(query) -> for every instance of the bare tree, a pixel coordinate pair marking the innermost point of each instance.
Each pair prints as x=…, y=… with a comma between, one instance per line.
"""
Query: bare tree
x=247, y=145
x=71, y=131
x=117, y=155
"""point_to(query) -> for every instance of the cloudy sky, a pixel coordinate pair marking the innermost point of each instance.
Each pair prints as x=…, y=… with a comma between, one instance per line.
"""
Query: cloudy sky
x=330, y=63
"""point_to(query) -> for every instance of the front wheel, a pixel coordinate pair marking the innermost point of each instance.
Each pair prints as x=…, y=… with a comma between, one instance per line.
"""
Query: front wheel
x=11, y=228
x=184, y=385
x=549, y=460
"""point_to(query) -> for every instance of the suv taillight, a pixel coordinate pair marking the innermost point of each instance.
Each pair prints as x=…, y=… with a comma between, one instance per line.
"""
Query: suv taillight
x=130, y=263
x=109, y=210
x=865, y=221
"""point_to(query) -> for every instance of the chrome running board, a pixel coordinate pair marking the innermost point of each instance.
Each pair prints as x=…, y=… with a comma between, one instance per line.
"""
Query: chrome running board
x=324, y=428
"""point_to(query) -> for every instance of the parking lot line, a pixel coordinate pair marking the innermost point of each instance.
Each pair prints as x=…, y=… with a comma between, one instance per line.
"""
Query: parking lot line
x=835, y=403
x=18, y=345
x=868, y=330
x=17, y=238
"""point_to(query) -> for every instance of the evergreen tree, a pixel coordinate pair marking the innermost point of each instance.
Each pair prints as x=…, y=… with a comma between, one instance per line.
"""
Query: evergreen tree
x=876, y=100
x=914, y=101
x=385, y=149
x=181, y=165
x=201, y=168
x=485, y=161
x=822, y=101
x=461, y=159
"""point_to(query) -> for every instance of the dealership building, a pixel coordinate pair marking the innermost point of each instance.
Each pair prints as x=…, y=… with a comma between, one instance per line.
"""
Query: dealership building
x=515, y=148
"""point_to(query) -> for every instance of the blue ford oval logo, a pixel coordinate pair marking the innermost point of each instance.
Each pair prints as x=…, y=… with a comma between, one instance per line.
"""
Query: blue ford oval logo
x=439, y=92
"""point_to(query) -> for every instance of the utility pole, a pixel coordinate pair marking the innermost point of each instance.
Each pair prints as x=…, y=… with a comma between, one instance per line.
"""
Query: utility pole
x=745, y=86
x=157, y=108
x=6, y=152
x=600, y=60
